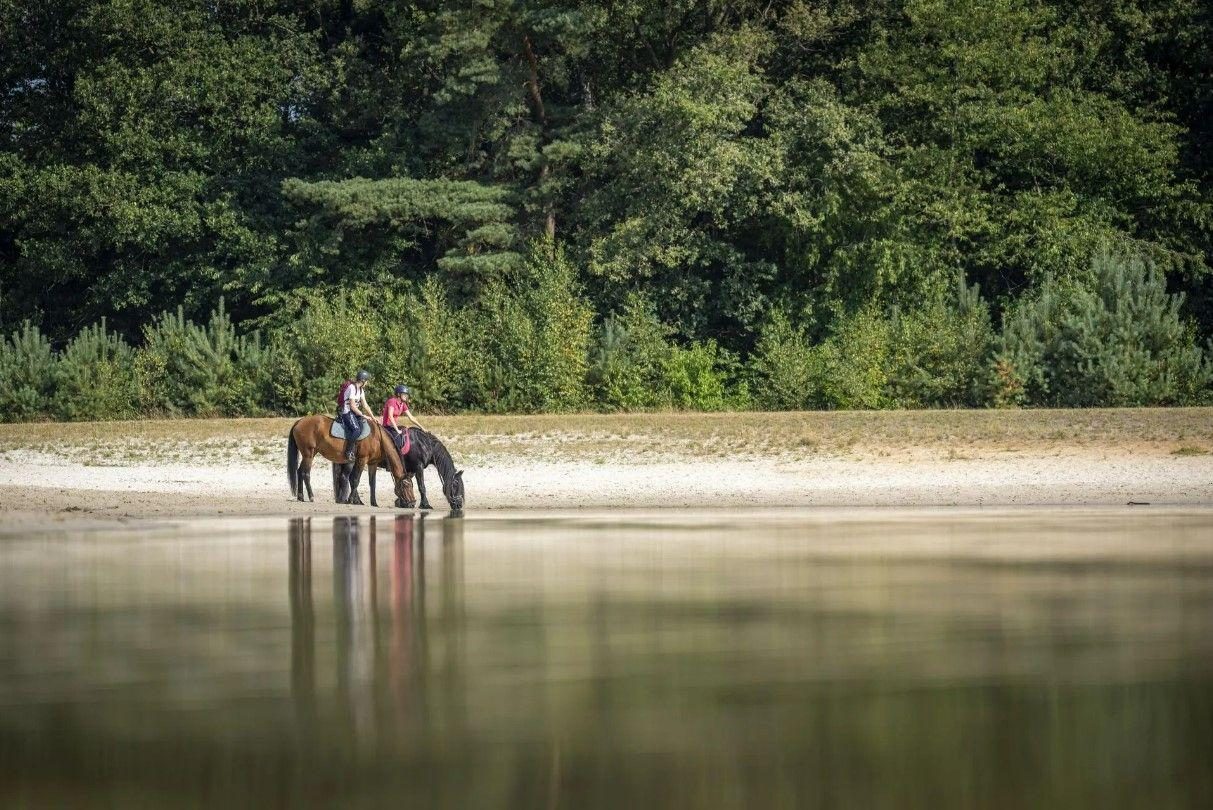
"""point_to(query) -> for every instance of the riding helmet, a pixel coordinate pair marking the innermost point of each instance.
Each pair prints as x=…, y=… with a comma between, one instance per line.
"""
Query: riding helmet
x=364, y=375
x=401, y=390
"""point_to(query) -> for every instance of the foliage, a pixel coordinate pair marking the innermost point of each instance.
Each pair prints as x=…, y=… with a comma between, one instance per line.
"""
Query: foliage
x=940, y=352
x=698, y=377
x=932, y=356
x=792, y=187
x=1121, y=340
x=27, y=372
x=783, y=365
x=189, y=369
x=630, y=355
x=95, y=377
x=535, y=330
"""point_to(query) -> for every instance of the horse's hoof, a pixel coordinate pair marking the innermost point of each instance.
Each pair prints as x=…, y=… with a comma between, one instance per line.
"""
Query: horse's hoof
x=426, y=506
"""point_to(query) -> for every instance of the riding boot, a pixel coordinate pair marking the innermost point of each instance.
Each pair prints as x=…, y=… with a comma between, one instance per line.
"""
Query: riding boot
x=349, y=448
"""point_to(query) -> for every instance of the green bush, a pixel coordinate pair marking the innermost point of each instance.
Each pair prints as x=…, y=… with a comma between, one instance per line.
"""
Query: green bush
x=933, y=356
x=534, y=331
x=783, y=365
x=940, y=353
x=697, y=377
x=27, y=374
x=443, y=352
x=851, y=369
x=1117, y=341
x=331, y=338
x=187, y=369
x=629, y=360
x=95, y=377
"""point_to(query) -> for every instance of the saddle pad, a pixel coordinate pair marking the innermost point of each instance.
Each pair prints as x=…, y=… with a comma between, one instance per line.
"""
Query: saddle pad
x=338, y=432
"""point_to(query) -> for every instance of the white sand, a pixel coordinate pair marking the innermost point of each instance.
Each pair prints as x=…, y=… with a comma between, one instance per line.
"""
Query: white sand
x=36, y=488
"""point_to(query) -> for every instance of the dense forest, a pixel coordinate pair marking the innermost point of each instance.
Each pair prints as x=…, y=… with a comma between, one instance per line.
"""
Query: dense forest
x=225, y=207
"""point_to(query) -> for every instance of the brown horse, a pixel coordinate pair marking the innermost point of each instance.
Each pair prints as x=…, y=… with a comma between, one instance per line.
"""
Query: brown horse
x=311, y=435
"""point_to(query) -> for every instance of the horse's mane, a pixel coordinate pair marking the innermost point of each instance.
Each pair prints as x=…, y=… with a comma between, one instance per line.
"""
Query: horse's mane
x=439, y=456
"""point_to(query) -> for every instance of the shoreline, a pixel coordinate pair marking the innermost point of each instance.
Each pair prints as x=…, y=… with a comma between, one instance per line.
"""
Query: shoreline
x=97, y=473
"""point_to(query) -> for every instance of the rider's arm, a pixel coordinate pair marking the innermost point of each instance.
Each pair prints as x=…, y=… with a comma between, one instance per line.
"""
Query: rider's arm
x=409, y=414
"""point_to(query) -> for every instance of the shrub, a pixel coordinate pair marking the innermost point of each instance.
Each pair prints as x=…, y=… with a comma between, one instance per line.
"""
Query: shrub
x=629, y=361
x=928, y=357
x=535, y=329
x=187, y=369
x=782, y=365
x=940, y=353
x=95, y=377
x=697, y=377
x=329, y=340
x=27, y=374
x=443, y=352
x=1117, y=341
x=851, y=369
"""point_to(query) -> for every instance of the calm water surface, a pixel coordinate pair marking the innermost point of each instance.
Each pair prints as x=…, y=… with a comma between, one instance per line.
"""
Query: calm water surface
x=673, y=659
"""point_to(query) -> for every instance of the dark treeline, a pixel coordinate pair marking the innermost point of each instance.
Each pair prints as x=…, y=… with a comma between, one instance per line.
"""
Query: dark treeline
x=540, y=204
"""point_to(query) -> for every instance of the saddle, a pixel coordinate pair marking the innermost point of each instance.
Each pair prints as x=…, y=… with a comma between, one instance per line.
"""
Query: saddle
x=338, y=432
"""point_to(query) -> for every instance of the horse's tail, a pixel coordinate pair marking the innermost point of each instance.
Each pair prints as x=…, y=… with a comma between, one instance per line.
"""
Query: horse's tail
x=292, y=460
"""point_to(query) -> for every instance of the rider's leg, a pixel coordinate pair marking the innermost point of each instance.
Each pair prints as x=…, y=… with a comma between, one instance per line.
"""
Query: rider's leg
x=352, y=424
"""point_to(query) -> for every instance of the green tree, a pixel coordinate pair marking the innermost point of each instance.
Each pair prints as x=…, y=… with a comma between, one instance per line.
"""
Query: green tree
x=1119, y=341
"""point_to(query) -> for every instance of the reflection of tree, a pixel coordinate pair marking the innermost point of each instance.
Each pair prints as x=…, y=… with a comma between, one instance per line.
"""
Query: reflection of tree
x=303, y=620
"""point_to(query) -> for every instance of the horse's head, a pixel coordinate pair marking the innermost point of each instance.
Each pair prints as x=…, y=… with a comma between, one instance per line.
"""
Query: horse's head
x=452, y=488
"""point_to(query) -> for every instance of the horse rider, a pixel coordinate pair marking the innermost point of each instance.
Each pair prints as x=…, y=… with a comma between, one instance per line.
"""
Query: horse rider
x=352, y=401
x=398, y=405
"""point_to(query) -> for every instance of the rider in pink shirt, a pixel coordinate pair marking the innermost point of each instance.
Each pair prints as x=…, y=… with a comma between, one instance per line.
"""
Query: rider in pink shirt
x=397, y=406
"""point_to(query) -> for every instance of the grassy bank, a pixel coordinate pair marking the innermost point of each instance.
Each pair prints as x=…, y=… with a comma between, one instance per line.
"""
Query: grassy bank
x=652, y=437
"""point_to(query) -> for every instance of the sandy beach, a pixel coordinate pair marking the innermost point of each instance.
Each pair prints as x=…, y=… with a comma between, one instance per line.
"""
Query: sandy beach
x=103, y=472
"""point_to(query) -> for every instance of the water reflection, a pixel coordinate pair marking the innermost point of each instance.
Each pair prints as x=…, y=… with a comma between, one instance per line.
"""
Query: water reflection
x=380, y=668
x=686, y=661
x=303, y=621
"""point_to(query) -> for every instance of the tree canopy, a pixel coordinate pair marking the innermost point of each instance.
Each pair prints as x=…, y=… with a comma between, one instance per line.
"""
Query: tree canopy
x=725, y=160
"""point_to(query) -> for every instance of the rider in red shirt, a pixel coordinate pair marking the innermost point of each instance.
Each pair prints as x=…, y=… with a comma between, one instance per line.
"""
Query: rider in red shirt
x=395, y=407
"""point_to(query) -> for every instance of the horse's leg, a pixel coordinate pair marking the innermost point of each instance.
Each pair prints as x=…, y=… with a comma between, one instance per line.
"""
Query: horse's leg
x=371, y=475
x=341, y=483
x=425, y=502
x=305, y=469
x=355, y=477
x=305, y=474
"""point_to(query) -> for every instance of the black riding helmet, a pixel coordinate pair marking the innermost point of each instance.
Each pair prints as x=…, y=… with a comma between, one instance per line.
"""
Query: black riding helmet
x=363, y=375
x=401, y=390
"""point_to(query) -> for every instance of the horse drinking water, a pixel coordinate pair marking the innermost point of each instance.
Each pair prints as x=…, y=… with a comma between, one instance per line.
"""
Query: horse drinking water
x=423, y=450
x=313, y=435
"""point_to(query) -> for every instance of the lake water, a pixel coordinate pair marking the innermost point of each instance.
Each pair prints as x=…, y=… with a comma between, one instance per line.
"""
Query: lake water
x=933, y=658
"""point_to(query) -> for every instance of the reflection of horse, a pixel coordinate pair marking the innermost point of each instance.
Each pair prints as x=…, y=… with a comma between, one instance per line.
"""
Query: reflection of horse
x=312, y=434
x=365, y=675
x=426, y=450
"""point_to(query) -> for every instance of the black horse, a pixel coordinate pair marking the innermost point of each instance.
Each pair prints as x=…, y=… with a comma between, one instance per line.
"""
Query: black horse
x=425, y=450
